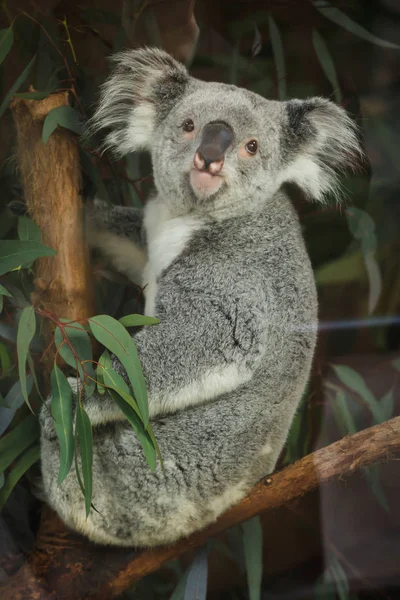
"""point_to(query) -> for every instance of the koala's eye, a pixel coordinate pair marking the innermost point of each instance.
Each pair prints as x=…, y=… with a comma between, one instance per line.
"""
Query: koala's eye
x=188, y=125
x=251, y=147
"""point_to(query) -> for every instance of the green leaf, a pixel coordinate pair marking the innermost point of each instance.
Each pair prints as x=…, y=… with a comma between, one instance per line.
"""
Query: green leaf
x=28, y=230
x=63, y=116
x=34, y=95
x=61, y=410
x=341, y=19
x=104, y=363
x=84, y=434
x=6, y=42
x=26, y=331
x=16, y=85
x=21, y=466
x=1, y=480
x=4, y=291
x=114, y=381
x=137, y=425
x=115, y=338
x=252, y=546
x=5, y=358
x=196, y=579
x=138, y=320
x=342, y=414
x=355, y=382
x=179, y=590
x=387, y=405
x=362, y=228
x=82, y=347
x=20, y=438
x=14, y=398
x=339, y=577
x=15, y=254
x=326, y=62
x=277, y=49
x=33, y=377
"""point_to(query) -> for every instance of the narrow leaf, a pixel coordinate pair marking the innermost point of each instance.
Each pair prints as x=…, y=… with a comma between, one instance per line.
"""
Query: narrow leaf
x=6, y=42
x=32, y=377
x=277, y=49
x=6, y=416
x=340, y=18
x=17, y=84
x=257, y=42
x=26, y=331
x=2, y=480
x=355, y=382
x=138, y=320
x=20, y=438
x=104, y=363
x=28, y=230
x=387, y=405
x=61, y=410
x=25, y=462
x=85, y=436
x=15, y=254
x=4, y=291
x=196, y=580
x=63, y=116
x=343, y=416
x=14, y=398
x=34, y=95
x=115, y=338
x=81, y=350
x=252, y=545
x=326, y=62
x=372, y=475
x=375, y=281
x=137, y=425
x=114, y=381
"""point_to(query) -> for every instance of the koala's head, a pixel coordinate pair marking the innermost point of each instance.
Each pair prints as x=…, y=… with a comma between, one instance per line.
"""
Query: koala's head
x=218, y=146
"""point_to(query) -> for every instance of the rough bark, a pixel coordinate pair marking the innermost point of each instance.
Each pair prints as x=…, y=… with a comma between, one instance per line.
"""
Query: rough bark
x=63, y=565
x=52, y=179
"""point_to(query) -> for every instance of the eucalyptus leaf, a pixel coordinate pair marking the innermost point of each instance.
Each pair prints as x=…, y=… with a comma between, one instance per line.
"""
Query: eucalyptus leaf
x=6, y=42
x=63, y=116
x=34, y=95
x=356, y=383
x=24, y=462
x=341, y=19
x=387, y=405
x=137, y=425
x=257, y=42
x=343, y=416
x=81, y=350
x=26, y=331
x=375, y=281
x=17, y=440
x=15, y=254
x=2, y=480
x=4, y=292
x=16, y=85
x=115, y=338
x=28, y=230
x=104, y=363
x=252, y=546
x=61, y=410
x=6, y=416
x=197, y=576
x=277, y=49
x=138, y=320
x=83, y=429
x=14, y=398
x=372, y=475
x=326, y=62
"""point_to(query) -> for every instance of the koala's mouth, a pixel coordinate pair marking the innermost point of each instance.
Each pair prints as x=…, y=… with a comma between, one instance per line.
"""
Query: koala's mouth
x=204, y=183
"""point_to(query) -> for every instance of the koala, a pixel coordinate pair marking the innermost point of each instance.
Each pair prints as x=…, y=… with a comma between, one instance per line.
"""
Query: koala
x=219, y=251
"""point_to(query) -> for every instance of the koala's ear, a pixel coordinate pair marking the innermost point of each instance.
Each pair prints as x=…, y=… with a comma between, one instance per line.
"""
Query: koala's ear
x=141, y=90
x=320, y=141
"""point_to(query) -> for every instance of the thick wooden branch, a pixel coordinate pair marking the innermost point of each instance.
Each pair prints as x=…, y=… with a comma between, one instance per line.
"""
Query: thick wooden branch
x=64, y=565
x=52, y=180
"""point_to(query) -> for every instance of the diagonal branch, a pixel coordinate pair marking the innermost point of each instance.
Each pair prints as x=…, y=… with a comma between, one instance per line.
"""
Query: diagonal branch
x=64, y=565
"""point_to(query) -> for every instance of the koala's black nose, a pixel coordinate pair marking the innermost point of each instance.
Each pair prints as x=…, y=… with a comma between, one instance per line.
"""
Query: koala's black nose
x=216, y=139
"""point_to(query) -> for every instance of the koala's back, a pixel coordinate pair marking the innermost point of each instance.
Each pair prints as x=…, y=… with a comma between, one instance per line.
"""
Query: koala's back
x=215, y=452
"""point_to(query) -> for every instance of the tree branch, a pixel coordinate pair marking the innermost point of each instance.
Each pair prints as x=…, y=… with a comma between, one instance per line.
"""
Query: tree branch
x=63, y=565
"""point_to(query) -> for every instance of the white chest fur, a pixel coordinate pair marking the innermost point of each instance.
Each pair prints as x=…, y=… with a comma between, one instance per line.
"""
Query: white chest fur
x=166, y=238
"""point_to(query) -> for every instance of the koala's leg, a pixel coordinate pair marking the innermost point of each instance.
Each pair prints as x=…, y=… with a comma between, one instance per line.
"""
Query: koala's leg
x=118, y=233
x=213, y=455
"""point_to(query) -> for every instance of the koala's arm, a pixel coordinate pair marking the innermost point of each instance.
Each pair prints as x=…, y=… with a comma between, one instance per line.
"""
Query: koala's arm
x=117, y=231
x=206, y=344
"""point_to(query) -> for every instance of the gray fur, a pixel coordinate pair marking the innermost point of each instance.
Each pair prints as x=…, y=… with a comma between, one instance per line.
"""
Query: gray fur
x=233, y=288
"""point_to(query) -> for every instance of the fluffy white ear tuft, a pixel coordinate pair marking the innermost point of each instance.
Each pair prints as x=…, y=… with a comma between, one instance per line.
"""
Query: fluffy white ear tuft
x=139, y=93
x=319, y=142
